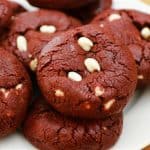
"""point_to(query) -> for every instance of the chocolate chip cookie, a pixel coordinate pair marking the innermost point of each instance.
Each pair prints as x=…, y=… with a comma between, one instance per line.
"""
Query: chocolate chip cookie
x=15, y=92
x=85, y=73
x=30, y=31
x=47, y=129
x=65, y=4
x=133, y=28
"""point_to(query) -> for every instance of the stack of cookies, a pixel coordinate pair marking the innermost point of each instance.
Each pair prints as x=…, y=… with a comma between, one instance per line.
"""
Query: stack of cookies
x=84, y=60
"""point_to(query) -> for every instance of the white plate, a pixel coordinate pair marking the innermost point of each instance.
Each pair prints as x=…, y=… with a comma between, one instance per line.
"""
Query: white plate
x=136, y=130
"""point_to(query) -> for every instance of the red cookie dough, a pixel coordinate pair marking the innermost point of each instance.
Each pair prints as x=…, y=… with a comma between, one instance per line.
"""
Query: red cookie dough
x=133, y=28
x=49, y=130
x=85, y=73
x=15, y=92
x=65, y=4
x=30, y=31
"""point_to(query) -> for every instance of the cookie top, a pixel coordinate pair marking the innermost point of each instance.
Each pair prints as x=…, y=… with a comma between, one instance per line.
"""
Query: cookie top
x=45, y=128
x=65, y=4
x=85, y=73
x=15, y=92
x=31, y=28
x=138, y=41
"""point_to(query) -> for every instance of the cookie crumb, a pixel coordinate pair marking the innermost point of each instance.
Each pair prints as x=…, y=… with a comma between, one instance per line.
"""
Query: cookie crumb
x=85, y=43
x=59, y=93
x=92, y=65
x=109, y=104
x=99, y=91
x=33, y=64
x=145, y=33
x=74, y=76
x=114, y=17
x=21, y=43
x=48, y=29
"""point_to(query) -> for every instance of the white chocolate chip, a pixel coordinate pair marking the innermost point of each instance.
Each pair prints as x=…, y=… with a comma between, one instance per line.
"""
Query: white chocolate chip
x=145, y=32
x=33, y=64
x=140, y=77
x=21, y=43
x=109, y=104
x=19, y=86
x=99, y=91
x=5, y=92
x=48, y=29
x=74, y=76
x=92, y=64
x=85, y=43
x=113, y=17
x=59, y=93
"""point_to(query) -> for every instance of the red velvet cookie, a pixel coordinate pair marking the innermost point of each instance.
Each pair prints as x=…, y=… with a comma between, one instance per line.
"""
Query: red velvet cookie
x=84, y=72
x=134, y=29
x=8, y=10
x=15, y=92
x=49, y=130
x=65, y=4
x=30, y=31
x=88, y=12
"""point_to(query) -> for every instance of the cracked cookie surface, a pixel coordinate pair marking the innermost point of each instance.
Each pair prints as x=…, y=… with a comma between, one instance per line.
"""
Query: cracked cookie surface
x=30, y=31
x=47, y=129
x=85, y=73
x=133, y=28
x=15, y=92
